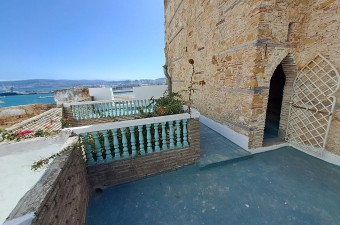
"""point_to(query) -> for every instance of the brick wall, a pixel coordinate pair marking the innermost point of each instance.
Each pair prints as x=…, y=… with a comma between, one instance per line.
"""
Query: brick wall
x=127, y=170
x=61, y=195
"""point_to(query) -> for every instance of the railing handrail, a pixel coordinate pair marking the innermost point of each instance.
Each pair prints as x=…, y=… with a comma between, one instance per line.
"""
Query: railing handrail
x=69, y=104
x=96, y=102
x=129, y=123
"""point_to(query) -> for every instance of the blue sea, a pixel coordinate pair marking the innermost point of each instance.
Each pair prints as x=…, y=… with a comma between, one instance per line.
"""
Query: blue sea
x=6, y=101
x=25, y=99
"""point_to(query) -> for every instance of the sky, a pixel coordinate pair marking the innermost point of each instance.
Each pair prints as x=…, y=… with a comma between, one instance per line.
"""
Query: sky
x=81, y=39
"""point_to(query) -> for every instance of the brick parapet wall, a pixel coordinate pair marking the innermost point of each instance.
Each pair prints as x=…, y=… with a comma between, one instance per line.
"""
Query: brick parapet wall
x=61, y=195
x=127, y=170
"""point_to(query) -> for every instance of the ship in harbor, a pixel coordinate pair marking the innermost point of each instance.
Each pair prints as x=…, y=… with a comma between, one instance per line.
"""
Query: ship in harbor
x=10, y=92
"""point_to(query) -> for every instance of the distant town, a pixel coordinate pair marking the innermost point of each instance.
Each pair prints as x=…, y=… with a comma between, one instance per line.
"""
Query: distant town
x=48, y=85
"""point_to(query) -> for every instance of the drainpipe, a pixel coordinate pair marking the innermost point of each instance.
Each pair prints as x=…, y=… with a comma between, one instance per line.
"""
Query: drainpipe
x=168, y=78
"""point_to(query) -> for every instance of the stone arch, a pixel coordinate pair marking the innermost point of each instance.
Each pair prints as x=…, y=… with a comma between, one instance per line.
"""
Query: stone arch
x=290, y=71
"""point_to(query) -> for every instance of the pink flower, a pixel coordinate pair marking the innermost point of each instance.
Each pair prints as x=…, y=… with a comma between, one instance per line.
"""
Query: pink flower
x=24, y=132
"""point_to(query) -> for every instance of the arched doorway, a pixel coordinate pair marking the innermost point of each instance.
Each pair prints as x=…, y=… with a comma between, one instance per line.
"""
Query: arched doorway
x=274, y=106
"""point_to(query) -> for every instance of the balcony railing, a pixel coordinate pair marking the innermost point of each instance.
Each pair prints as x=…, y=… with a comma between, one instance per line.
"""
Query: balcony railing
x=104, y=109
x=107, y=142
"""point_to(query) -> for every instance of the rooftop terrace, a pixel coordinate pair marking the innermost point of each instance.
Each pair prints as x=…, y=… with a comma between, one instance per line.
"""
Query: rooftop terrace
x=284, y=186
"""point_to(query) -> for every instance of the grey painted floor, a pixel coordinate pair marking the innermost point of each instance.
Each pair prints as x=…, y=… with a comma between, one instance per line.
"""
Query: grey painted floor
x=216, y=149
x=284, y=186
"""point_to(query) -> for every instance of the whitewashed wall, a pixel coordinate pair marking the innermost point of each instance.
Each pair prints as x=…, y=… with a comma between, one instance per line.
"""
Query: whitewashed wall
x=99, y=94
x=146, y=92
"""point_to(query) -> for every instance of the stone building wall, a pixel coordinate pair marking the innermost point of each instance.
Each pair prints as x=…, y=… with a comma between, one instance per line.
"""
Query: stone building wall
x=237, y=45
x=72, y=95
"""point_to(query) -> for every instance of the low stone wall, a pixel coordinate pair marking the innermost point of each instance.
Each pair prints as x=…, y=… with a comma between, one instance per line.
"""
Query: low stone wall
x=72, y=95
x=127, y=170
x=61, y=195
x=15, y=114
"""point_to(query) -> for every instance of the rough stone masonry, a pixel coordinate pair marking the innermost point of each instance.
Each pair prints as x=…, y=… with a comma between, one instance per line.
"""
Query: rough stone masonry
x=238, y=44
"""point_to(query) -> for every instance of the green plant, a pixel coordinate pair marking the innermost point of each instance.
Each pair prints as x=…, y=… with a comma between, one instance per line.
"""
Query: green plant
x=168, y=104
x=42, y=162
x=191, y=90
x=65, y=123
x=7, y=135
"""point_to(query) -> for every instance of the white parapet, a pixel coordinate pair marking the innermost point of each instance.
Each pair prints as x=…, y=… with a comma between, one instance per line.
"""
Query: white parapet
x=130, y=123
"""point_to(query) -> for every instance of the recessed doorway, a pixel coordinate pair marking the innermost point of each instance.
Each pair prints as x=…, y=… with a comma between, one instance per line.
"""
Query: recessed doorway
x=272, y=124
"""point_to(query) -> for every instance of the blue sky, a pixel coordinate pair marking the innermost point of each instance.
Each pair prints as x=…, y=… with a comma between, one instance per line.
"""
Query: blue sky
x=81, y=39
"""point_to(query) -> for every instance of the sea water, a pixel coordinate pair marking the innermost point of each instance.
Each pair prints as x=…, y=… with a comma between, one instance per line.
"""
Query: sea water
x=26, y=99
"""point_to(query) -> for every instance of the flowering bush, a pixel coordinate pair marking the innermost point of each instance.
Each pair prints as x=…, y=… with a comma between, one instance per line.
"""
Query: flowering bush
x=24, y=133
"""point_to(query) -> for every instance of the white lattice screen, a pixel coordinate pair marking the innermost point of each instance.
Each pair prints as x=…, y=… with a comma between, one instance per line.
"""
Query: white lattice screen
x=312, y=105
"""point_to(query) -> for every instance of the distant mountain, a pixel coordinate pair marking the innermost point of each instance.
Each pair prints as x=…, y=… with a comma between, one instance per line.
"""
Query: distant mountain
x=40, y=84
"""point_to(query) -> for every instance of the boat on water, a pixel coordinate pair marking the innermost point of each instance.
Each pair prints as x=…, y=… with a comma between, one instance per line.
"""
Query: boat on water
x=9, y=93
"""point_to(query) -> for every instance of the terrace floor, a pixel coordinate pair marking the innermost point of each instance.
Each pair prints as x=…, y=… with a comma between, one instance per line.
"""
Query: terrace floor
x=284, y=186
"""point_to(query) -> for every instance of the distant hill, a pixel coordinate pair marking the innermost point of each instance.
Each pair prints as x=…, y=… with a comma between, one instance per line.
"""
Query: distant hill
x=40, y=84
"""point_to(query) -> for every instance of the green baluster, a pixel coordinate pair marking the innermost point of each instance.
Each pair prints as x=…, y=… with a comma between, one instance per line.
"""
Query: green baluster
x=140, y=104
x=91, y=111
x=171, y=134
x=94, y=111
x=134, y=107
x=137, y=106
x=164, y=146
x=97, y=147
x=88, y=108
x=101, y=110
x=73, y=112
x=130, y=107
x=105, y=110
x=85, y=112
x=185, y=133
x=81, y=112
x=107, y=107
x=122, y=108
x=116, y=143
x=157, y=148
x=116, y=109
x=112, y=110
x=178, y=134
x=126, y=108
x=76, y=112
x=141, y=140
x=146, y=105
x=109, y=111
x=148, y=138
x=107, y=147
x=133, y=141
x=88, y=150
x=125, y=144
